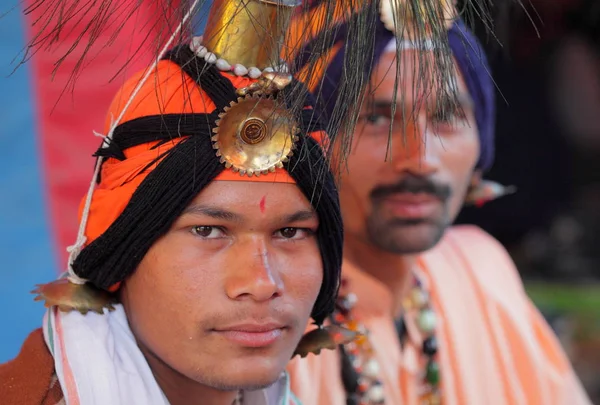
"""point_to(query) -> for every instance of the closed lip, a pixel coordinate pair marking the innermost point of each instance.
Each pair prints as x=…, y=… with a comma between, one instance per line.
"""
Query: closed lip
x=252, y=327
x=412, y=198
x=413, y=206
x=253, y=335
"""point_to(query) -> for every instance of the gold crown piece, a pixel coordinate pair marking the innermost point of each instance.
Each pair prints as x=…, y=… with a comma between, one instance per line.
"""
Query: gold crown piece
x=399, y=17
x=248, y=32
x=255, y=135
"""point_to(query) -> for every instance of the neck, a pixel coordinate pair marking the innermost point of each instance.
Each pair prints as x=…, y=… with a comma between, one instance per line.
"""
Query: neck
x=181, y=390
x=392, y=270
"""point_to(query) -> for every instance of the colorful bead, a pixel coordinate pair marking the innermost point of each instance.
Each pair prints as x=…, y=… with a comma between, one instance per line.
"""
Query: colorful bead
x=351, y=299
x=419, y=297
x=372, y=368
x=432, y=373
x=375, y=394
x=352, y=325
x=363, y=386
x=407, y=303
x=432, y=398
x=362, y=340
x=430, y=346
x=427, y=321
x=368, y=389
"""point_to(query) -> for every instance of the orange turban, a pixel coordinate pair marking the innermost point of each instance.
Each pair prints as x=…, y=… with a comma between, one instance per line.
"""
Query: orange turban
x=168, y=91
x=164, y=152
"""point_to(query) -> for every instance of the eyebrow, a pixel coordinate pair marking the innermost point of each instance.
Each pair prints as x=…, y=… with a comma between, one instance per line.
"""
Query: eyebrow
x=463, y=100
x=217, y=213
x=303, y=215
x=212, y=212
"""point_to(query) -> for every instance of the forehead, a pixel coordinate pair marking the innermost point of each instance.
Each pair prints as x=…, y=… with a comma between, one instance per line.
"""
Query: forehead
x=248, y=195
x=417, y=74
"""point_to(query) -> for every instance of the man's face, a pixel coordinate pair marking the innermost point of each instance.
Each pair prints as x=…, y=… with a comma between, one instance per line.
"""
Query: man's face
x=402, y=196
x=224, y=297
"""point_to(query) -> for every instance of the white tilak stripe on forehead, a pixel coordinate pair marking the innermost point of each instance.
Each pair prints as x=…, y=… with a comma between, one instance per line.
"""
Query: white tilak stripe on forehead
x=406, y=44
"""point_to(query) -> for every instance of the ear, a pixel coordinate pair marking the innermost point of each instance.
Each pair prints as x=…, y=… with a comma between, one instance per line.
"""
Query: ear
x=475, y=179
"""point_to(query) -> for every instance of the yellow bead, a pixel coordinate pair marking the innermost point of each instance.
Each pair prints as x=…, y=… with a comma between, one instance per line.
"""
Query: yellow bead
x=361, y=340
x=431, y=398
x=419, y=297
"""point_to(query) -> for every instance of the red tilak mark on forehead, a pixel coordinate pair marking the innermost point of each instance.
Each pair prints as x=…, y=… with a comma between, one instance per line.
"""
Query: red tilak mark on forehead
x=262, y=204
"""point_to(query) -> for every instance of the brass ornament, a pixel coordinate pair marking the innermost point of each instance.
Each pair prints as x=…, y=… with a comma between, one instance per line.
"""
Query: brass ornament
x=68, y=296
x=398, y=16
x=328, y=337
x=268, y=84
x=253, y=131
x=484, y=191
x=255, y=135
x=248, y=32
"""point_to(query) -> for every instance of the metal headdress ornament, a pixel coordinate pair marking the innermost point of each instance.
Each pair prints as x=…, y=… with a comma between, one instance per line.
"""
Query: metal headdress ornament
x=256, y=133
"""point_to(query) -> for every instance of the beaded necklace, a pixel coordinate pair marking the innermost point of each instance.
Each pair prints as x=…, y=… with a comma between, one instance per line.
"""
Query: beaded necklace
x=360, y=368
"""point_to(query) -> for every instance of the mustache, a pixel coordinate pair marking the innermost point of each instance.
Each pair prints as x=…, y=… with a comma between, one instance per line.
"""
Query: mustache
x=243, y=314
x=414, y=185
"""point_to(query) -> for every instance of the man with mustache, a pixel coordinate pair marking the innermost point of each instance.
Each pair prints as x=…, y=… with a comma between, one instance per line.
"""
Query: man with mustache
x=444, y=313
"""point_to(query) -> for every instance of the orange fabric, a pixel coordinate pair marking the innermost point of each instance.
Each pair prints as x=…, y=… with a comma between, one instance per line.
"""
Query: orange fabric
x=29, y=378
x=307, y=24
x=168, y=91
x=313, y=73
x=495, y=347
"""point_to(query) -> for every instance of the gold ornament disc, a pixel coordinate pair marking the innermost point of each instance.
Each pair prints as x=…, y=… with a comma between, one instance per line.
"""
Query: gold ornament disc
x=255, y=135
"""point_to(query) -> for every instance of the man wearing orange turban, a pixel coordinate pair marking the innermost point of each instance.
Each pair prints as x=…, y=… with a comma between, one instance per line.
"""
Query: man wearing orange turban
x=211, y=233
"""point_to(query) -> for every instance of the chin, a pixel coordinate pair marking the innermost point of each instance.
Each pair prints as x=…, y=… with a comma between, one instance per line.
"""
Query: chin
x=247, y=378
x=408, y=238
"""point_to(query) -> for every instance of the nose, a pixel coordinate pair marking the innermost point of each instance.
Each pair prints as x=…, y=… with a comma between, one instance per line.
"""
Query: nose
x=413, y=148
x=251, y=273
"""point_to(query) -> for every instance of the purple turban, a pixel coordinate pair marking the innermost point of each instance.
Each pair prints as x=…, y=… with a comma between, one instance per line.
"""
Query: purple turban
x=471, y=60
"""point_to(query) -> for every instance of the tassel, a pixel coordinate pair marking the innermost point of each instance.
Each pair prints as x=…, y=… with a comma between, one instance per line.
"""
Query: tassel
x=485, y=191
x=328, y=337
x=68, y=296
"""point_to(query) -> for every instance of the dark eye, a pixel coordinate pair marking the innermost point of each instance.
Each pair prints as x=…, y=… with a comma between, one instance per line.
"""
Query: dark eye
x=207, y=232
x=376, y=119
x=293, y=233
x=448, y=119
x=289, y=233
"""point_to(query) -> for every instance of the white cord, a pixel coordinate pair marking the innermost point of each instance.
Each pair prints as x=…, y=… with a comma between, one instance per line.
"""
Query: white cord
x=75, y=249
